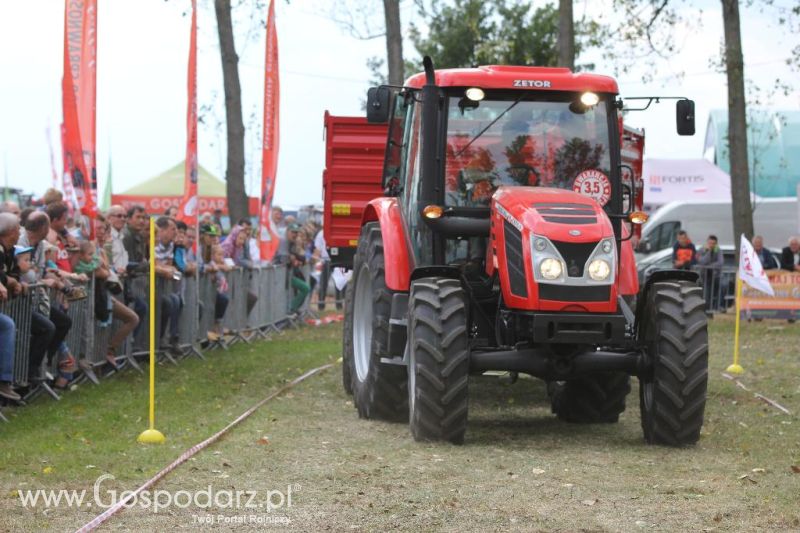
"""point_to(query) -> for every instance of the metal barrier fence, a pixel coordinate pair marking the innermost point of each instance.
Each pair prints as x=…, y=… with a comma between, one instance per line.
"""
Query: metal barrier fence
x=137, y=295
x=719, y=286
x=19, y=310
x=80, y=338
x=88, y=338
x=188, y=326
x=235, y=318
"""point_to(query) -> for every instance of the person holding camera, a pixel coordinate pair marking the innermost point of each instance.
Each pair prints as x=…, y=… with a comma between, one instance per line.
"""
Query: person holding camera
x=170, y=301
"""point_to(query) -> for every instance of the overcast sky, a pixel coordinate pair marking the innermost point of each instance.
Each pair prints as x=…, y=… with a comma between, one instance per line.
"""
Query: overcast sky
x=142, y=55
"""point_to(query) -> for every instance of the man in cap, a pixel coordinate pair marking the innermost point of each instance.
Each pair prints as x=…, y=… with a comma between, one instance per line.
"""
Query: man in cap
x=209, y=236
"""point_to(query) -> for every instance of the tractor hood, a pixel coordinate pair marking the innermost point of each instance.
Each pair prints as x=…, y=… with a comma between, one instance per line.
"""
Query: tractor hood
x=554, y=249
x=558, y=214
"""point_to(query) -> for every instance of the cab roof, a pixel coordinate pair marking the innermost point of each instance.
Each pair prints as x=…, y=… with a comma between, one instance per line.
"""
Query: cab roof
x=511, y=77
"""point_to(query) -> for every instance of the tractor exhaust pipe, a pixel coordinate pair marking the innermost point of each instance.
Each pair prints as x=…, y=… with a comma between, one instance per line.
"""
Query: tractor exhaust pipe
x=547, y=365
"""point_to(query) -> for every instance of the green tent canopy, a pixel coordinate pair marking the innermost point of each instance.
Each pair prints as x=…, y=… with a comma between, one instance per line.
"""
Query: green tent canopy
x=773, y=149
x=170, y=183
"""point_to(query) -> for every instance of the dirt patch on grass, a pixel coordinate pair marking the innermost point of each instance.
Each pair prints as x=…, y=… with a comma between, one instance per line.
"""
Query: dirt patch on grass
x=520, y=468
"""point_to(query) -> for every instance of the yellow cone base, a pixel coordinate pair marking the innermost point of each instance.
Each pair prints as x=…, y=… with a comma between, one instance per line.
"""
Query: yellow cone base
x=735, y=369
x=151, y=436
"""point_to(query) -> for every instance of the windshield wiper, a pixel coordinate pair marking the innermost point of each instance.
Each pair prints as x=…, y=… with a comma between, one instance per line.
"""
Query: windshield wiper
x=492, y=123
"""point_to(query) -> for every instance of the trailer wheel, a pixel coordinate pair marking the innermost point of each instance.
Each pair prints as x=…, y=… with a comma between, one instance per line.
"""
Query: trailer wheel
x=379, y=390
x=675, y=342
x=438, y=366
x=595, y=399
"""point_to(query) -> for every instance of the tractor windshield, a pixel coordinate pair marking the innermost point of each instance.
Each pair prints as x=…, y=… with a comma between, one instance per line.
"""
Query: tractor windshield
x=515, y=141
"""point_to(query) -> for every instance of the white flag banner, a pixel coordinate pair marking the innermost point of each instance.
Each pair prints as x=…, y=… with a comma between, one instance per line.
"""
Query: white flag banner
x=750, y=269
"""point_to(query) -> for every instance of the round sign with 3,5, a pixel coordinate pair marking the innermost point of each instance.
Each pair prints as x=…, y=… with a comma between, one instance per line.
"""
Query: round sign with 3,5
x=594, y=184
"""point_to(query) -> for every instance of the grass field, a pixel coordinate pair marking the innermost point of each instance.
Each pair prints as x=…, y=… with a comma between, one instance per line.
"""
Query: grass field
x=520, y=468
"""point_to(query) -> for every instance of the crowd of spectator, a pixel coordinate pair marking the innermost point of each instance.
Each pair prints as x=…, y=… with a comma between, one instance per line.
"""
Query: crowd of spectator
x=685, y=255
x=53, y=255
x=709, y=260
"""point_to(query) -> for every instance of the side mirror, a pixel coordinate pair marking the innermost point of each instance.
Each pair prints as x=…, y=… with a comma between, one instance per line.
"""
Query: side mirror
x=378, y=105
x=684, y=116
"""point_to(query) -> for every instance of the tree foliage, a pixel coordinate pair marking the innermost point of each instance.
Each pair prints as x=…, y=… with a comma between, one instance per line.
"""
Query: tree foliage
x=464, y=33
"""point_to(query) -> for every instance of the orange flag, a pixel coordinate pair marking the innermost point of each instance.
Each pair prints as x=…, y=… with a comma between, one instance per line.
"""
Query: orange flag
x=79, y=91
x=187, y=211
x=268, y=237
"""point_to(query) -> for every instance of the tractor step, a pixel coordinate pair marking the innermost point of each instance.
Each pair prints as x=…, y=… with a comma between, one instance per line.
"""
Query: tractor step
x=393, y=361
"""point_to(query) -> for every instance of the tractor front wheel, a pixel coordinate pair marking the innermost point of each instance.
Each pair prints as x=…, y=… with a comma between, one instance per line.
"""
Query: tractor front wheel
x=438, y=366
x=675, y=341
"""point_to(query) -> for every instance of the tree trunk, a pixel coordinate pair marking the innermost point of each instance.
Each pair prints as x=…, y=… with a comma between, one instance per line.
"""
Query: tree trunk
x=234, y=173
x=394, y=41
x=737, y=123
x=566, y=35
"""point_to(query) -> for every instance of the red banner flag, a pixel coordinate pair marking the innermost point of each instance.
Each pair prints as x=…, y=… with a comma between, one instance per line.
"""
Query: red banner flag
x=78, y=91
x=187, y=211
x=268, y=237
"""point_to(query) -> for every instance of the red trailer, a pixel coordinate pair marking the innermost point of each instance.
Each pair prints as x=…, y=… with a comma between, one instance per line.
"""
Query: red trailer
x=354, y=153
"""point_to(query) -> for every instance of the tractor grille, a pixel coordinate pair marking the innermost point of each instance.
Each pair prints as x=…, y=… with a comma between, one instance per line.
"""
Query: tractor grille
x=566, y=213
x=575, y=254
x=574, y=293
x=515, y=260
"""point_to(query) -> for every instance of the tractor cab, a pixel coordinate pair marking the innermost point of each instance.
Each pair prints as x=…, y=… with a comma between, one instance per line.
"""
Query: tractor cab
x=502, y=243
x=519, y=153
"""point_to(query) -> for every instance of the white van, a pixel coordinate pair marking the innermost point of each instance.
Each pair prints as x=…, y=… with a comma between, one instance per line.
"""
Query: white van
x=774, y=218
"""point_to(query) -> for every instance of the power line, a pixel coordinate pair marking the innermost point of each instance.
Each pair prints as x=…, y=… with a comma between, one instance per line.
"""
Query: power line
x=310, y=74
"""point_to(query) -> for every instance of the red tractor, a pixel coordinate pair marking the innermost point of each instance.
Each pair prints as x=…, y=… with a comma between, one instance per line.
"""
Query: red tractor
x=497, y=238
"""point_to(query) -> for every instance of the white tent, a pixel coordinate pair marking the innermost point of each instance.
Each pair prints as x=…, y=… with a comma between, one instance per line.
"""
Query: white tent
x=687, y=180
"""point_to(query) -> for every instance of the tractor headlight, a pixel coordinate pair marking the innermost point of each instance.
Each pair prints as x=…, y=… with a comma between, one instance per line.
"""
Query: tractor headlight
x=551, y=268
x=599, y=269
x=539, y=244
x=607, y=246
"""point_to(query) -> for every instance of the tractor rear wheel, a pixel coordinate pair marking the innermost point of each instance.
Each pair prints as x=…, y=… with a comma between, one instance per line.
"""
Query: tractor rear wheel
x=379, y=390
x=438, y=363
x=595, y=399
x=675, y=342
x=347, y=340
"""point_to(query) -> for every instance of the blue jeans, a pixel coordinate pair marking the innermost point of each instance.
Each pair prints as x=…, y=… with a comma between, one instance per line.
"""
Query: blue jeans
x=140, y=308
x=220, y=306
x=7, y=344
x=170, y=312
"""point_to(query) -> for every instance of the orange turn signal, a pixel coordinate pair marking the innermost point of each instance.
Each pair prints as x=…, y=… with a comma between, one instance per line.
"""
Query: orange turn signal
x=638, y=217
x=432, y=211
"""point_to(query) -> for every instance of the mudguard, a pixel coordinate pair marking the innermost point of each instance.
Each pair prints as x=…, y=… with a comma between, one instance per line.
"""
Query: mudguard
x=398, y=260
x=628, y=277
x=655, y=277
